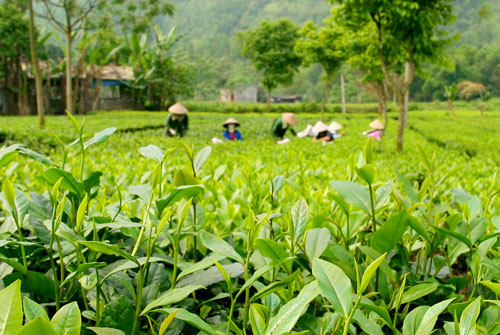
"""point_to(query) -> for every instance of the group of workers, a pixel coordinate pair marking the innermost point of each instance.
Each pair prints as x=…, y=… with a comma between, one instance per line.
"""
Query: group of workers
x=177, y=124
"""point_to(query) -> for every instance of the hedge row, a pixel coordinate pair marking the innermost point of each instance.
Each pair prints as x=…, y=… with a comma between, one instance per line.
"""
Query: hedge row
x=247, y=107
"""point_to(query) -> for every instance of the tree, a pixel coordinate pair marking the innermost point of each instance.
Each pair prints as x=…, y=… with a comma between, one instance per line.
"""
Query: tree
x=14, y=48
x=36, y=66
x=323, y=46
x=469, y=90
x=72, y=16
x=159, y=79
x=270, y=47
x=450, y=93
x=362, y=50
x=409, y=33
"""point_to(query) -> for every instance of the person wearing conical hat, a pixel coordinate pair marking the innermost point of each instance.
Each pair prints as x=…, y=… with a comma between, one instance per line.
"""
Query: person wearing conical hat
x=282, y=124
x=177, y=123
x=376, y=131
x=327, y=133
x=231, y=133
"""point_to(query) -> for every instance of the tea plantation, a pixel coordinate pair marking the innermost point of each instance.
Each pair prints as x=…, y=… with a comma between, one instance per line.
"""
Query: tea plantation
x=107, y=227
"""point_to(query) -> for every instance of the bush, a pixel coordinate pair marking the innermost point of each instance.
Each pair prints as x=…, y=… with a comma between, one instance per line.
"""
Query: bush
x=248, y=107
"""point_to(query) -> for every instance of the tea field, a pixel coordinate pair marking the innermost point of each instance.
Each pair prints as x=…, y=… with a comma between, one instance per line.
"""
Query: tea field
x=109, y=228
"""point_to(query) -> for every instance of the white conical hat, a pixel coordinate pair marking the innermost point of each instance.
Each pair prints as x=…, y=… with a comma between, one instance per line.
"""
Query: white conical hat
x=334, y=126
x=178, y=109
x=320, y=127
x=231, y=121
x=377, y=125
x=289, y=118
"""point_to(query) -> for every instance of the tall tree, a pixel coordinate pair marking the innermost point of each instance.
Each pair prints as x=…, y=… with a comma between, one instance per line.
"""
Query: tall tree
x=14, y=48
x=324, y=46
x=270, y=47
x=72, y=16
x=36, y=66
x=410, y=32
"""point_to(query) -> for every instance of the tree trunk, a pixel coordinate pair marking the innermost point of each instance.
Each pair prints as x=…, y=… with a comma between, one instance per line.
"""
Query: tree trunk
x=407, y=93
x=328, y=88
x=482, y=109
x=452, y=107
x=342, y=88
x=36, y=67
x=401, y=123
x=268, y=108
x=69, y=75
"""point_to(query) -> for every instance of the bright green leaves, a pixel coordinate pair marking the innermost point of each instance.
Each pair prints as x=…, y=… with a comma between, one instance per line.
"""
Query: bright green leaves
x=317, y=242
x=219, y=246
x=367, y=173
x=334, y=285
x=32, y=310
x=67, y=321
x=10, y=193
x=11, y=311
x=38, y=326
x=171, y=297
x=201, y=158
x=100, y=137
x=422, y=319
x=289, y=314
x=391, y=232
x=153, y=152
x=418, y=291
x=369, y=273
x=354, y=194
x=300, y=215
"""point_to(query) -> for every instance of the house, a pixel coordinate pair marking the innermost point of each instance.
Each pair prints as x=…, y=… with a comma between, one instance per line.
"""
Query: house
x=246, y=94
x=290, y=99
x=113, y=83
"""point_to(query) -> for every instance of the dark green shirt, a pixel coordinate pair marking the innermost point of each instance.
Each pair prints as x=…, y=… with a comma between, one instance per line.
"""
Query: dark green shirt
x=278, y=128
x=180, y=126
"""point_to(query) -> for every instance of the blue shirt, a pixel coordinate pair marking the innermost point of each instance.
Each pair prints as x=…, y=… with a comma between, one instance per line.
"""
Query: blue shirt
x=237, y=135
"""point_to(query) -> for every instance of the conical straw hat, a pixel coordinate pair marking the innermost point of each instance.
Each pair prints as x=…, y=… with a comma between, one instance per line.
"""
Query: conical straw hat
x=289, y=118
x=178, y=109
x=320, y=127
x=231, y=121
x=335, y=126
x=377, y=125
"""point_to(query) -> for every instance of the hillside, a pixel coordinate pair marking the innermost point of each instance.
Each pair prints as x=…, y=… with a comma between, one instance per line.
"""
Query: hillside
x=209, y=26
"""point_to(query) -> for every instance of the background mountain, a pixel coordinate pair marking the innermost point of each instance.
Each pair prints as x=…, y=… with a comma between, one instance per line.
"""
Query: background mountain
x=209, y=28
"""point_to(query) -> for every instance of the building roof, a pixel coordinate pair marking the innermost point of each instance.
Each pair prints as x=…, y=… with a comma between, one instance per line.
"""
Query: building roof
x=108, y=72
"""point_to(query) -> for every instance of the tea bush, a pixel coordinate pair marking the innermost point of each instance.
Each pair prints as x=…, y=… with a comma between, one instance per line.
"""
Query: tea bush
x=120, y=231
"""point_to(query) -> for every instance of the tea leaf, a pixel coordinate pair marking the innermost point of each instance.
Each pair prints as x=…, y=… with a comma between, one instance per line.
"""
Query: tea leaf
x=67, y=320
x=391, y=232
x=370, y=271
x=418, y=291
x=201, y=158
x=334, y=285
x=32, y=310
x=108, y=249
x=171, y=297
x=11, y=310
x=289, y=314
x=37, y=326
x=353, y=193
x=219, y=246
x=316, y=242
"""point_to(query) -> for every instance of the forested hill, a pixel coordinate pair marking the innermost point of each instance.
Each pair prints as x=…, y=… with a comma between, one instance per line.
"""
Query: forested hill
x=209, y=26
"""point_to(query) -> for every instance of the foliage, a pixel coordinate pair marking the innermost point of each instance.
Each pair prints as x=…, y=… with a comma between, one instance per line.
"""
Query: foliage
x=270, y=47
x=159, y=80
x=14, y=49
x=324, y=47
x=470, y=90
x=241, y=236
